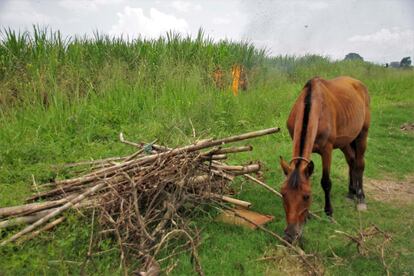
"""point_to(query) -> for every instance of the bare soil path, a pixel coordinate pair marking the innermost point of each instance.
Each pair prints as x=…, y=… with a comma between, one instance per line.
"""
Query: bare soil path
x=390, y=190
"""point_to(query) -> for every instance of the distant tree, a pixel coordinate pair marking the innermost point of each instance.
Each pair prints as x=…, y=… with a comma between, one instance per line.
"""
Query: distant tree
x=405, y=62
x=353, y=56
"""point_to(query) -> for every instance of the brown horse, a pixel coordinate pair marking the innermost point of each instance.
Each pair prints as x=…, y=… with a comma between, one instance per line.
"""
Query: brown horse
x=328, y=114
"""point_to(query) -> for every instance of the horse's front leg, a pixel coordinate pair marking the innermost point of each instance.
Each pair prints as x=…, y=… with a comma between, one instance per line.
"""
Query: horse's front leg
x=326, y=154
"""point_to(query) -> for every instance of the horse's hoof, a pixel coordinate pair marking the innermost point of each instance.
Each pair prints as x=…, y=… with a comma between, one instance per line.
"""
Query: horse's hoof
x=350, y=197
x=362, y=207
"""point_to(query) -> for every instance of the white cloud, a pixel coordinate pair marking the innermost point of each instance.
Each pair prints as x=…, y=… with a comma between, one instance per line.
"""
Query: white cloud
x=86, y=5
x=132, y=22
x=385, y=44
x=78, y=5
x=185, y=6
x=23, y=13
x=221, y=21
x=386, y=35
x=108, y=2
x=314, y=5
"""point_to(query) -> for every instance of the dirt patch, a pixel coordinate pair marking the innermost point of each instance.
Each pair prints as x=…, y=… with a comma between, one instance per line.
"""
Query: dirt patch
x=407, y=127
x=395, y=191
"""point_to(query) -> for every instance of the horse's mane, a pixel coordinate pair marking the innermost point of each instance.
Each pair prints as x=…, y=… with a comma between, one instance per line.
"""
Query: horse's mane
x=293, y=179
x=307, y=103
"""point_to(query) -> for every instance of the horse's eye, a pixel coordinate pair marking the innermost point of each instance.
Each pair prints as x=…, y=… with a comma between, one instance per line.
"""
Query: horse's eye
x=306, y=197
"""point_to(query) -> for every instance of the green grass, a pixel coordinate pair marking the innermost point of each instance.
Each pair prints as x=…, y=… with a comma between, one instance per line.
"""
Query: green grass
x=64, y=100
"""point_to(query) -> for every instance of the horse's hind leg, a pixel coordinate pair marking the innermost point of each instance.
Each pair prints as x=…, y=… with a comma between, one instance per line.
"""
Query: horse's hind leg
x=360, y=145
x=349, y=153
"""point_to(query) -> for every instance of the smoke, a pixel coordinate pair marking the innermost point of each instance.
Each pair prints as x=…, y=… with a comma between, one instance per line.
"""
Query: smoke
x=326, y=27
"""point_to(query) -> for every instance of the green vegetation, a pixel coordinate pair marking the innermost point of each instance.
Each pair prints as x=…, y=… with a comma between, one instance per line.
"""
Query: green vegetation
x=64, y=100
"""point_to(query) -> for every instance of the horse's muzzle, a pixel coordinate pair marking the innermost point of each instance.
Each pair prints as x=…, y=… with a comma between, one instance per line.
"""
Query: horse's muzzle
x=293, y=232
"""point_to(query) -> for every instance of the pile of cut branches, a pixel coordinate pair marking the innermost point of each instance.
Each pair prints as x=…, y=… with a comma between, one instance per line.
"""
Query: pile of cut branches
x=144, y=200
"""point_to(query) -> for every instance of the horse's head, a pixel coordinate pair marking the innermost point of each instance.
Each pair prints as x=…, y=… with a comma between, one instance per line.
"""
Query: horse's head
x=296, y=191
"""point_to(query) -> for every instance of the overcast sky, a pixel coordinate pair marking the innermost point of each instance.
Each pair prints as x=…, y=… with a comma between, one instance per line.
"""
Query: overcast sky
x=380, y=30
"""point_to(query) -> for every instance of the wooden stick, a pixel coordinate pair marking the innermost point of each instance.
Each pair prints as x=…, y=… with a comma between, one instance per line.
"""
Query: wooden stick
x=261, y=183
x=213, y=152
x=71, y=187
x=141, y=150
x=228, y=150
x=54, y=213
x=237, y=168
x=247, y=169
x=214, y=157
x=236, y=138
x=134, y=155
x=122, y=139
x=57, y=191
x=224, y=175
x=91, y=162
x=235, y=149
x=235, y=201
x=24, y=220
x=47, y=227
x=160, y=148
x=33, y=207
x=228, y=167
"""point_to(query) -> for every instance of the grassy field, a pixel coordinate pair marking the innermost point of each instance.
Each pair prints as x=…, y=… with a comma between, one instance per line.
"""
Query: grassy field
x=65, y=100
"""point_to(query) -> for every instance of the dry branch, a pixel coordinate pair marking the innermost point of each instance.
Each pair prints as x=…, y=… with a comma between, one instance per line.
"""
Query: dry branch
x=47, y=227
x=94, y=162
x=33, y=207
x=220, y=150
x=214, y=157
x=24, y=219
x=54, y=213
x=238, y=202
x=261, y=183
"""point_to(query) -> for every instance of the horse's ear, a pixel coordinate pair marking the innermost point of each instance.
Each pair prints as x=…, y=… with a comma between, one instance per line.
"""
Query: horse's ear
x=309, y=169
x=285, y=166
